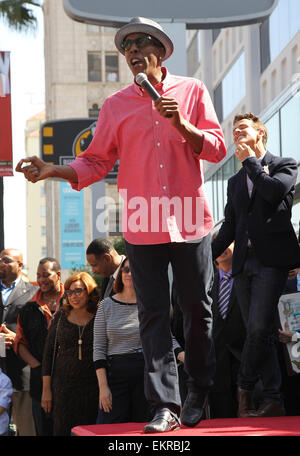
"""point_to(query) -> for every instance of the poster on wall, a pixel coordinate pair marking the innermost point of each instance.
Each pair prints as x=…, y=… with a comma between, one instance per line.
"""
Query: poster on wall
x=289, y=314
x=6, y=164
x=72, y=246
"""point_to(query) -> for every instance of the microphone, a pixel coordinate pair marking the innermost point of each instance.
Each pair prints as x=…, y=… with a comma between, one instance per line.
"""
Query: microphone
x=142, y=80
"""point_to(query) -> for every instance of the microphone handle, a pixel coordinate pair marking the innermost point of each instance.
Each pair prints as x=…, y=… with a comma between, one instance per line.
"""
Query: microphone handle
x=152, y=92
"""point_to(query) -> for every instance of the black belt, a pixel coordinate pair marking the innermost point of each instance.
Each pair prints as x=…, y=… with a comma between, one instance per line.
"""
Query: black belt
x=123, y=355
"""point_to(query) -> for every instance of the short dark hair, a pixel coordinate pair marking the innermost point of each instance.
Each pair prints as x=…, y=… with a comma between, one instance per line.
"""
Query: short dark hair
x=56, y=264
x=256, y=123
x=118, y=283
x=99, y=246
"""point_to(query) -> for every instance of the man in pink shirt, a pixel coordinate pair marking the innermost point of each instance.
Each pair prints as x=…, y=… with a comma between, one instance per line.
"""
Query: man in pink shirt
x=166, y=216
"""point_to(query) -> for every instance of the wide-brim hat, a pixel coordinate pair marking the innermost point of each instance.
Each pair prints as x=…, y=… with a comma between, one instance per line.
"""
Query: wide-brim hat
x=144, y=25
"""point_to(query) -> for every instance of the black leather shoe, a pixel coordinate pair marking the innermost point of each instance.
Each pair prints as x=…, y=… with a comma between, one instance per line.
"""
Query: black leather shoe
x=193, y=407
x=163, y=421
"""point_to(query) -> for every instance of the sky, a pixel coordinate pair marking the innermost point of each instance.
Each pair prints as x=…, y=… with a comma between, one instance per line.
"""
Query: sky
x=28, y=99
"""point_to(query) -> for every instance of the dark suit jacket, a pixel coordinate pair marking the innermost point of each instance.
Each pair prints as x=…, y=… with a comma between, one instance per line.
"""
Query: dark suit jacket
x=229, y=336
x=21, y=294
x=291, y=286
x=265, y=218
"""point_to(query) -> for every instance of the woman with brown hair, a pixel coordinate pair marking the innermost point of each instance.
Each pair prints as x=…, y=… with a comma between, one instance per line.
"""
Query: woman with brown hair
x=118, y=356
x=70, y=389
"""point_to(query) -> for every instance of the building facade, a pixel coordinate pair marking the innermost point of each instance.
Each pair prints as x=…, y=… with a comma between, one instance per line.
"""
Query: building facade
x=36, y=202
x=251, y=68
x=82, y=67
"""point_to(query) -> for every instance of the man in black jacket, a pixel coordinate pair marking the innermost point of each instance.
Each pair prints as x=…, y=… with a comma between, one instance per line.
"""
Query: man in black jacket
x=105, y=261
x=15, y=292
x=258, y=218
x=229, y=334
x=33, y=323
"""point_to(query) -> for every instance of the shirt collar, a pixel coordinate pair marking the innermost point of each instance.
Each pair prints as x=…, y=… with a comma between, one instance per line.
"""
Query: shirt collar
x=38, y=297
x=14, y=283
x=160, y=86
x=222, y=273
x=117, y=270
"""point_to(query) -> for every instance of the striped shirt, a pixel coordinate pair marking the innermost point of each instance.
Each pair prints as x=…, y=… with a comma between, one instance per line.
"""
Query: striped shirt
x=116, y=330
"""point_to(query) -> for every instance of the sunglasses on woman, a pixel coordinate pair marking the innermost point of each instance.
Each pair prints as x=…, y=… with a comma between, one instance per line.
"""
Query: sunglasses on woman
x=140, y=42
x=126, y=269
x=76, y=292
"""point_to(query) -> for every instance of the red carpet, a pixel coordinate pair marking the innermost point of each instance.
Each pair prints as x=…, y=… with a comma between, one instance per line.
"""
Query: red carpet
x=277, y=426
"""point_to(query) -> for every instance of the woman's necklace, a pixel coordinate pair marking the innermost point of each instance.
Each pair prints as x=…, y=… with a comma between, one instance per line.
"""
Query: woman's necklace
x=80, y=333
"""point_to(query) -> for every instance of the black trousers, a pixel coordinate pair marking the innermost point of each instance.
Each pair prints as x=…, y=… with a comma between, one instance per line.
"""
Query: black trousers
x=193, y=271
x=125, y=375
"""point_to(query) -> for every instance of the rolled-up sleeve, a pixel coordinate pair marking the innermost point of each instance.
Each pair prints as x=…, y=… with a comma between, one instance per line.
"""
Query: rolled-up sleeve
x=97, y=161
x=214, y=149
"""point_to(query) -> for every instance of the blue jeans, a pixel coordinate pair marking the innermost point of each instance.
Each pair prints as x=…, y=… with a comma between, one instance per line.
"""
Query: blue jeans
x=258, y=290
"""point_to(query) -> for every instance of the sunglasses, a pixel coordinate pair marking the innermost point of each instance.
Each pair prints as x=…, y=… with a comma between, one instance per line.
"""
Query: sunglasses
x=140, y=42
x=6, y=260
x=76, y=292
x=126, y=269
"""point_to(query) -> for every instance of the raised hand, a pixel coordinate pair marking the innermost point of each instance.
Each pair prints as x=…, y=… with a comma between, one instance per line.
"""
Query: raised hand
x=36, y=170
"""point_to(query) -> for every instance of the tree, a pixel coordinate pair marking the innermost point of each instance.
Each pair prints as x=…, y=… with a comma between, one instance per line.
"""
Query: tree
x=18, y=14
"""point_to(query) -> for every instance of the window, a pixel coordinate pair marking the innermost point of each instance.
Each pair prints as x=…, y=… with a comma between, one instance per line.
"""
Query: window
x=111, y=67
x=94, y=110
x=43, y=211
x=234, y=85
x=218, y=103
x=115, y=221
x=110, y=30
x=193, y=55
x=43, y=251
x=94, y=66
x=290, y=115
x=278, y=30
x=43, y=230
x=90, y=28
x=273, y=127
x=209, y=194
x=215, y=33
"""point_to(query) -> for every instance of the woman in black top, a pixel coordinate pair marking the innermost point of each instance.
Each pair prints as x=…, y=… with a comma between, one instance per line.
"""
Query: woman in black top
x=70, y=387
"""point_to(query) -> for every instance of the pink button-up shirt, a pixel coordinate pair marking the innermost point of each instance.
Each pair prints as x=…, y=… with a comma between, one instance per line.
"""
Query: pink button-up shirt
x=160, y=177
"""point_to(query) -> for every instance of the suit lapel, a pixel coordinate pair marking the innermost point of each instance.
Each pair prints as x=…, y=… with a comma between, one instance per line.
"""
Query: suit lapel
x=19, y=290
x=266, y=162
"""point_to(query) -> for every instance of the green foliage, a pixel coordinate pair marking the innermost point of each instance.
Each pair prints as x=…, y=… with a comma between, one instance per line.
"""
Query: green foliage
x=119, y=245
x=18, y=15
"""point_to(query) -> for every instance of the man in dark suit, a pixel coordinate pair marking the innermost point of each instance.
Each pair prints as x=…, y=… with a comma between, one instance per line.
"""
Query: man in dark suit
x=229, y=334
x=15, y=293
x=105, y=262
x=258, y=218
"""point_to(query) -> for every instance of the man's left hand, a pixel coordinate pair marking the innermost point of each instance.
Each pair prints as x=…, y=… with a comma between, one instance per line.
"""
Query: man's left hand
x=168, y=107
x=9, y=336
x=244, y=151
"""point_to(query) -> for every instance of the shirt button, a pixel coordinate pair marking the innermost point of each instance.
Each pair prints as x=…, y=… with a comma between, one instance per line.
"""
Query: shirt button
x=161, y=165
x=164, y=187
x=158, y=144
x=156, y=122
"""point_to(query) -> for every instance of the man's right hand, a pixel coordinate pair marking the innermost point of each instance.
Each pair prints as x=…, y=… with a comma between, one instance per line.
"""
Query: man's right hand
x=36, y=170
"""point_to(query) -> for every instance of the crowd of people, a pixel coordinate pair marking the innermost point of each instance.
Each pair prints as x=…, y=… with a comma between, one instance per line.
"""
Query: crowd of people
x=215, y=353
x=79, y=352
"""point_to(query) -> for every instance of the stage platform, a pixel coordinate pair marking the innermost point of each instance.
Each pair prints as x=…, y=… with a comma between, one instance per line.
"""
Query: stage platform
x=277, y=426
